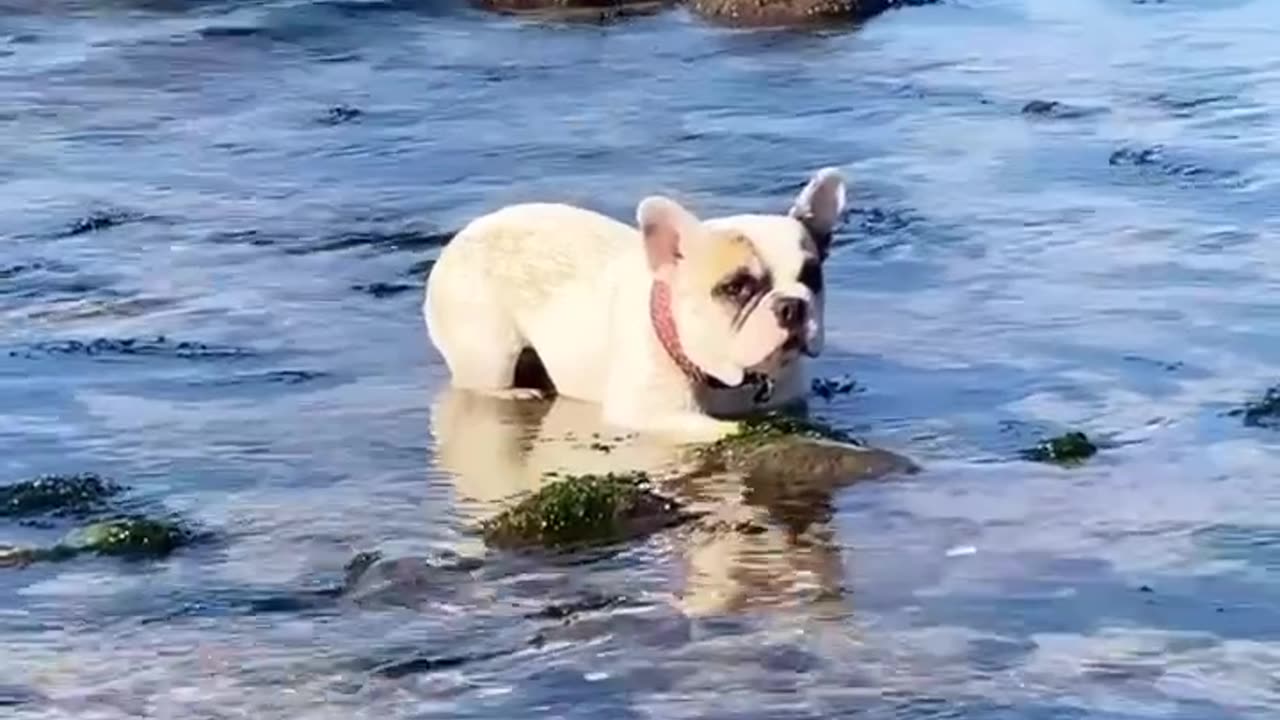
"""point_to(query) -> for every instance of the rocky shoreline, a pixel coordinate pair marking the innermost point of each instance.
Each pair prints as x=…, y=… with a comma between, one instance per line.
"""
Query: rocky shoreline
x=744, y=13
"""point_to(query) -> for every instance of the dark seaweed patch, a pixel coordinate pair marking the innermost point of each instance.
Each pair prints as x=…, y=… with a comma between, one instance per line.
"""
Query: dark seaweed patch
x=339, y=114
x=426, y=664
x=273, y=377
x=885, y=227
x=828, y=388
x=1137, y=157
x=1055, y=110
x=58, y=495
x=580, y=511
x=114, y=528
x=590, y=603
x=1068, y=449
x=99, y=220
x=230, y=31
x=1154, y=160
x=243, y=237
x=1184, y=106
x=1263, y=412
x=159, y=346
x=133, y=537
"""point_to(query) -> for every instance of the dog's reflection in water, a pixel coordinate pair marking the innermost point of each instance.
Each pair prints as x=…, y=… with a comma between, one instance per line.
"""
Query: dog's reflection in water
x=764, y=541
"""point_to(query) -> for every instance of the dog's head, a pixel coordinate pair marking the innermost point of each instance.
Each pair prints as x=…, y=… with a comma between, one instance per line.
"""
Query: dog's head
x=746, y=290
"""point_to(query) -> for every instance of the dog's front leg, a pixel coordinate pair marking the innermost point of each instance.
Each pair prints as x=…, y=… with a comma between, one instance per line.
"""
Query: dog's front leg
x=679, y=426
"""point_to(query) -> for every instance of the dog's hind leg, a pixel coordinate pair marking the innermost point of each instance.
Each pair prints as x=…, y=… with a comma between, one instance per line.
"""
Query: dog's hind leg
x=479, y=341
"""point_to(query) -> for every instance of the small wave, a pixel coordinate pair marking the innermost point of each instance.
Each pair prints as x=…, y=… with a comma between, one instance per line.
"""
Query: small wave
x=382, y=290
x=377, y=240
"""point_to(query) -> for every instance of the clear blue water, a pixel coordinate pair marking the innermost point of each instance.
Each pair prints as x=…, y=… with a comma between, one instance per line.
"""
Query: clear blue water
x=269, y=180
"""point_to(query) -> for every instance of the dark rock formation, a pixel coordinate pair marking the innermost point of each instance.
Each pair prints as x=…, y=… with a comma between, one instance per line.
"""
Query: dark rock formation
x=766, y=13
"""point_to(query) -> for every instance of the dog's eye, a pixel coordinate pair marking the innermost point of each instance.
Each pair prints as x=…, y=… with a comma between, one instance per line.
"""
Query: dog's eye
x=739, y=287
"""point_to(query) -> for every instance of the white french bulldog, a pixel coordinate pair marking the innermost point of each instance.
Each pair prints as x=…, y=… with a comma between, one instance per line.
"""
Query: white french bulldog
x=676, y=329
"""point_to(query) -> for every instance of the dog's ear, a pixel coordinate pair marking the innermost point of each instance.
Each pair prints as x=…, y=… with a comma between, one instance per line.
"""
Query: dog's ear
x=666, y=226
x=820, y=206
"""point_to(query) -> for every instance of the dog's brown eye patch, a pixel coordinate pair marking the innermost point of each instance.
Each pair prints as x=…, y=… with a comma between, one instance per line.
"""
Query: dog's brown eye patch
x=738, y=287
x=811, y=276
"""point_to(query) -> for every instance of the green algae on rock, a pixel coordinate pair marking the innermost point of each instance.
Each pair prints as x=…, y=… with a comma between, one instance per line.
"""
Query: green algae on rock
x=1262, y=413
x=766, y=431
x=1069, y=449
x=771, y=427
x=133, y=537
x=64, y=495
x=787, y=446
x=583, y=510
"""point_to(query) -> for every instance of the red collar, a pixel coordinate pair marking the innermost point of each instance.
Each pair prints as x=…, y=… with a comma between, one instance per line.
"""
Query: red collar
x=664, y=324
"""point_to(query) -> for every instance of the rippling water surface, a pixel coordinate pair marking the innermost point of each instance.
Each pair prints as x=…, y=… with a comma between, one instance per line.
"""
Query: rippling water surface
x=242, y=199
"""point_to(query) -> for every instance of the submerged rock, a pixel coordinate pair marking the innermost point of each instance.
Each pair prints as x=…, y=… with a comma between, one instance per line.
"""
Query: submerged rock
x=64, y=495
x=136, y=537
x=822, y=461
x=405, y=581
x=1261, y=413
x=781, y=447
x=584, y=510
x=109, y=523
x=769, y=452
x=1069, y=449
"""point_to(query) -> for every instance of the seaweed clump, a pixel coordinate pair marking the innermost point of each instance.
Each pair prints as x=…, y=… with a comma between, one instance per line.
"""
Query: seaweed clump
x=108, y=526
x=59, y=495
x=583, y=510
x=771, y=431
x=1069, y=449
x=130, y=537
x=771, y=427
x=1263, y=413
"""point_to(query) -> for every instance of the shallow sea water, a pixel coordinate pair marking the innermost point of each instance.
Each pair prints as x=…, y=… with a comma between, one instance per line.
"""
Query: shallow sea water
x=268, y=183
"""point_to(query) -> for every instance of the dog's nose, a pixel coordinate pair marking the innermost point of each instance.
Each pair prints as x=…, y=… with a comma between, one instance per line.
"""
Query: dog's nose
x=790, y=312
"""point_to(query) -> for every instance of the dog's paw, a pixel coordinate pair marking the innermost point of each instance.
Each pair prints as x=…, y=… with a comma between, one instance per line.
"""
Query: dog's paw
x=697, y=428
x=517, y=394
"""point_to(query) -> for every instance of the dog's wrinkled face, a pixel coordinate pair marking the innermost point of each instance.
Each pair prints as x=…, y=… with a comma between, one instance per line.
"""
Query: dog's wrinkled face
x=747, y=290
